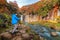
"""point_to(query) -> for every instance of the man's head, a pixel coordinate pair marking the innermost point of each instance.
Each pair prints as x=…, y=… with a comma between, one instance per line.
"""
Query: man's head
x=17, y=15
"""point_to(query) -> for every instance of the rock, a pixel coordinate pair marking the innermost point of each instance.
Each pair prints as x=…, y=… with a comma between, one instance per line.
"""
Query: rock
x=6, y=35
x=23, y=26
x=31, y=36
x=27, y=28
x=22, y=31
x=19, y=26
x=53, y=27
x=41, y=38
x=26, y=35
x=17, y=38
x=58, y=28
x=18, y=34
x=54, y=34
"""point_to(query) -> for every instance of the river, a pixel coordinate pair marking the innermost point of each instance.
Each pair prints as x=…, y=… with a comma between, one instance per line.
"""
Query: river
x=44, y=31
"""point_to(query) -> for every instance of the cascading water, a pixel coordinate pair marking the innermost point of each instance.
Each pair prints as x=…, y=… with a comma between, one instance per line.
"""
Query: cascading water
x=43, y=31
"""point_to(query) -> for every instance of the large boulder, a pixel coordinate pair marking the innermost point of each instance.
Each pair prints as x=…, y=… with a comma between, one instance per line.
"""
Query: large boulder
x=6, y=35
x=53, y=26
x=17, y=38
x=54, y=34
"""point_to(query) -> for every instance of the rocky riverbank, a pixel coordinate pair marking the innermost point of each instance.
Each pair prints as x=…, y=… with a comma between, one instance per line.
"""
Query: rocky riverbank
x=31, y=32
x=23, y=33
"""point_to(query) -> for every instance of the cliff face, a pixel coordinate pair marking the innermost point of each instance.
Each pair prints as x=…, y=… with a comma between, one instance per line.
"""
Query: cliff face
x=52, y=9
x=36, y=6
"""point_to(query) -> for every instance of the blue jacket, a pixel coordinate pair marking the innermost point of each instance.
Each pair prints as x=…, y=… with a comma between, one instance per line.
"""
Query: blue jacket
x=15, y=19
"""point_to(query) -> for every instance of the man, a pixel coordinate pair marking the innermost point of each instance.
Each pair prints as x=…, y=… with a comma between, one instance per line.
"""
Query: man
x=15, y=20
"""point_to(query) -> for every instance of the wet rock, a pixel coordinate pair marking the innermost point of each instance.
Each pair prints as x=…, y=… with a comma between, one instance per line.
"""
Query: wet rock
x=55, y=28
x=54, y=34
x=17, y=38
x=6, y=35
x=58, y=33
x=41, y=38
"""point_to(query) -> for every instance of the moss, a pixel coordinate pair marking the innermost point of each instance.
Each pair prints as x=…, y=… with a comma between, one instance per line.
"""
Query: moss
x=58, y=24
x=45, y=23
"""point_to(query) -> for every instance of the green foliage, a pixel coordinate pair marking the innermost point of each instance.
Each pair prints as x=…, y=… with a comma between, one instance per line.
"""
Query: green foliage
x=7, y=16
x=47, y=7
x=5, y=19
x=43, y=11
x=59, y=4
x=58, y=19
x=1, y=21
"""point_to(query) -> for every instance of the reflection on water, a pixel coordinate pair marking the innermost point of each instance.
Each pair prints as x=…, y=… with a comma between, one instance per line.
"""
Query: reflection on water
x=44, y=31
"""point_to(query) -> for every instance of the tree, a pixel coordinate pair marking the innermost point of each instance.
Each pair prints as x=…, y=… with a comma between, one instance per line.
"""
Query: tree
x=47, y=7
x=12, y=6
x=2, y=2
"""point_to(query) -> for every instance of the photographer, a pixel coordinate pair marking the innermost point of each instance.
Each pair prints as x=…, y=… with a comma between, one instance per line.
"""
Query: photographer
x=15, y=20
